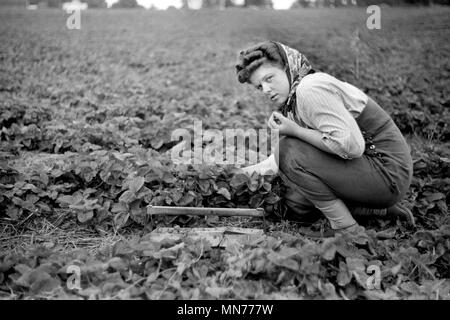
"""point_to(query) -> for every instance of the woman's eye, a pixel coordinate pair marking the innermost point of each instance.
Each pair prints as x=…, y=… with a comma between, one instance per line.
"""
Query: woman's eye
x=269, y=79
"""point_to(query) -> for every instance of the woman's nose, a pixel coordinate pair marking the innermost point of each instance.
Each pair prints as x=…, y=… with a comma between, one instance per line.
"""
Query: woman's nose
x=266, y=88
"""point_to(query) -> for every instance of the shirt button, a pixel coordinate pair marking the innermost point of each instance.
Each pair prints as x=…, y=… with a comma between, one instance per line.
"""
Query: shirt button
x=372, y=147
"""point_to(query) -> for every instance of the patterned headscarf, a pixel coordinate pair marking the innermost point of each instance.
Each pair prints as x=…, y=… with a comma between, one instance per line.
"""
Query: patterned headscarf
x=297, y=67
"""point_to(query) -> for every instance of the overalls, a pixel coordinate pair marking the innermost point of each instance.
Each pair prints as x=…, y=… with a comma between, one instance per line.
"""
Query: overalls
x=368, y=185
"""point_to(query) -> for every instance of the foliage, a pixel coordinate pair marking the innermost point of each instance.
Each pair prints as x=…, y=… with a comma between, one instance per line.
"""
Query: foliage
x=95, y=3
x=291, y=268
x=106, y=185
x=126, y=4
x=89, y=140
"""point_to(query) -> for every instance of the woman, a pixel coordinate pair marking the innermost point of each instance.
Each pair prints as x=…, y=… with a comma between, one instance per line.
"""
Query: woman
x=339, y=151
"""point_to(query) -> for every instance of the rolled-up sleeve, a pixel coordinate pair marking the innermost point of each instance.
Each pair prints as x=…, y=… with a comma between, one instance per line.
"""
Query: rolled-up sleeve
x=326, y=111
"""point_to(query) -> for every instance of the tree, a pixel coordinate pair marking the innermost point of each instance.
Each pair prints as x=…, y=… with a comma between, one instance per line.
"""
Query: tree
x=258, y=3
x=128, y=4
x=95, y=3
x=217, y=4
x=300, y=3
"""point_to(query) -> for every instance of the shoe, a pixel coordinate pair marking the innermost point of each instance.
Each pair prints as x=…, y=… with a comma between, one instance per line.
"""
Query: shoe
x=363, y=212
x=354, y=230
x=401, y=213
x=329, y=233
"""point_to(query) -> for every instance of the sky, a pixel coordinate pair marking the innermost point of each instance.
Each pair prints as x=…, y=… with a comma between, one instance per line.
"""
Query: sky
x=164, y=4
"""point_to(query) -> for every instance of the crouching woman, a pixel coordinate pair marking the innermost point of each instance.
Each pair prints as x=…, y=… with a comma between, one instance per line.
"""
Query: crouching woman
x=339, y=153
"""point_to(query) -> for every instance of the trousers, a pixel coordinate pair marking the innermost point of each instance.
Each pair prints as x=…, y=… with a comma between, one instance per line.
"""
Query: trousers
x=368, y=185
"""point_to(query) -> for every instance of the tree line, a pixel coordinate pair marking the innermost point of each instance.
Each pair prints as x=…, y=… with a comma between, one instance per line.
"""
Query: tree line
x=229, y=3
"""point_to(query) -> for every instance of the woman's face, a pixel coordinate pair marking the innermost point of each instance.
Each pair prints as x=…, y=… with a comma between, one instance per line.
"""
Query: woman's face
x=272, y=81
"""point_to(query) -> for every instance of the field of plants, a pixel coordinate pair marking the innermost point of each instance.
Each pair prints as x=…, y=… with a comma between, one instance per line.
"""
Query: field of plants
x=86, y=118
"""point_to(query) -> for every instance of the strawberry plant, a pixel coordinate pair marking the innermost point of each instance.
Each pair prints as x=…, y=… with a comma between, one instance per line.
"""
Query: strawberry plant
x=86, y=140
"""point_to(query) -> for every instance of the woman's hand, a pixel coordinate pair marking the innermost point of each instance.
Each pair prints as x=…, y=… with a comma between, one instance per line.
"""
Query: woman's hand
x=268, y=166
x=284, y=125
x=251, y=169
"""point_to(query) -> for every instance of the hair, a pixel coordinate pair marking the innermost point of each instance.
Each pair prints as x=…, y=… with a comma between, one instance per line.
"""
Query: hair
x=253, y=57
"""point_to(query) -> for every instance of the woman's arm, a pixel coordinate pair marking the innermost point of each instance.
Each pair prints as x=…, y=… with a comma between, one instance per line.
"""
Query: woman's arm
x=324, y=108
x=313, y=137
x=332, y=136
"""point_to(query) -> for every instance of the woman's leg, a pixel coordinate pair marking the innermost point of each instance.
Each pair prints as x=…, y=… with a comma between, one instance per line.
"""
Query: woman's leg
x=323, y=176
x=302, y=209
x=328, y=182
x=299, y=208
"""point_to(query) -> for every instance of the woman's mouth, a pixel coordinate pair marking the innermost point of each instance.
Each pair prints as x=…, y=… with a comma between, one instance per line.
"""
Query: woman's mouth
x=274, y=97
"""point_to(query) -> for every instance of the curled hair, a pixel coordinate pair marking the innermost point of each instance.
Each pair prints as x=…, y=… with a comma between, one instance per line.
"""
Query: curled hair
x=253, y=57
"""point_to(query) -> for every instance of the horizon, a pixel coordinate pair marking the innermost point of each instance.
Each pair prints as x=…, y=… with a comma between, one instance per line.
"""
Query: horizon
x=196, y=4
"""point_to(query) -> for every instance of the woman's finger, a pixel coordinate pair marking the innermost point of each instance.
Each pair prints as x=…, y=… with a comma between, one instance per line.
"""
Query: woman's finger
x=272, y=115
x=276, y=113
x=274, y=118
x=272, y=124
x=278, y=116
x=277, y=119
x=270, y=121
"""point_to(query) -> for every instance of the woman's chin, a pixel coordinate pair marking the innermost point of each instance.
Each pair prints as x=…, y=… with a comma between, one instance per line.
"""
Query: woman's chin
x=278, y=102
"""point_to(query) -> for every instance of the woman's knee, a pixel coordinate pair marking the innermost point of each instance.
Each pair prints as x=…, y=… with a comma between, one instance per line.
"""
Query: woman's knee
x=292, y=153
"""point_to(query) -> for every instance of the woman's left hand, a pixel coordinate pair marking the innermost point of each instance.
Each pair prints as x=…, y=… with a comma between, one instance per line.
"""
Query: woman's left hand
x=284, y=125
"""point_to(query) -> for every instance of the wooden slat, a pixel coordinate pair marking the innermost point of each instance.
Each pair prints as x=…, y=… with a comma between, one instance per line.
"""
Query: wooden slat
x=227, y=212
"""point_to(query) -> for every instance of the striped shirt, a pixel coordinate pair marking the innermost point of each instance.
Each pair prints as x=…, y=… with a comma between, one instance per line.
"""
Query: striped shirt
x=330, y=106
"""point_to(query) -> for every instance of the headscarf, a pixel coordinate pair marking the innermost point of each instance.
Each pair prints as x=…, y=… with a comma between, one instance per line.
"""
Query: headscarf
x=297, y=66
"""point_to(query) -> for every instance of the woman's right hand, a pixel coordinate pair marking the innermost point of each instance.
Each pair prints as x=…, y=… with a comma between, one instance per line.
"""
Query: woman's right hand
x=284, y=125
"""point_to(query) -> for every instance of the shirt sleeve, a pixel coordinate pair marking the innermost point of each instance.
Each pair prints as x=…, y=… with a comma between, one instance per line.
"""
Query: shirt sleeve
x=325, y=109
